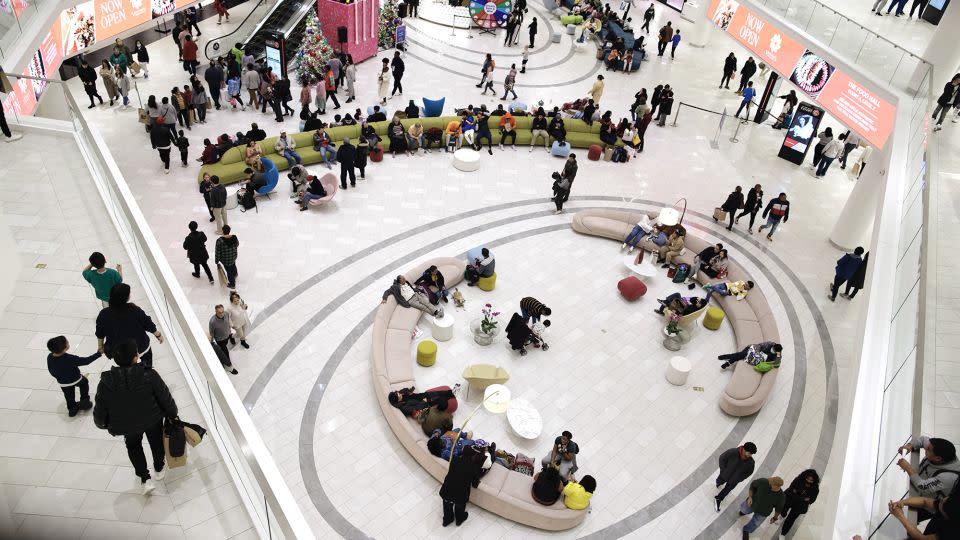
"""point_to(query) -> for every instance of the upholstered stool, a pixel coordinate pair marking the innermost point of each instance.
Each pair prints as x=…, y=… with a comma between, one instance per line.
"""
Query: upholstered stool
x=677, y=371
x=594, y=152
x=443, y=327
x=556, y=37
x=571, y=28
x=426, y=353
x=376, y=154
x=632, y=288
x=487, y=283
x=466, y=160
x=560, y=149
x=713, y=318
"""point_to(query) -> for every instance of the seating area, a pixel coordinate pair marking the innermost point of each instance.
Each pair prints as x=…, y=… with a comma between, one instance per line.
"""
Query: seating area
x=751, y=319
x=230, y=167
x=628, y=41
x=503, y=492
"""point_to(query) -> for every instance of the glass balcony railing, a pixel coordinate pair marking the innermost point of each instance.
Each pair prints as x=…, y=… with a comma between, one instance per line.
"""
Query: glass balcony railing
x=15, y=16
x=272, y=508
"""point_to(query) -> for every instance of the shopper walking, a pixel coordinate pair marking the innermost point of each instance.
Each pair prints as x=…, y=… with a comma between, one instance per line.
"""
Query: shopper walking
x=101, y=278
x=824, y=137
x=383, y=81
x=486, y=70
x=88, y=76
x=665, y=35
x=511, y=28
x=219, y=330
x=847, y=266
x=766, y=497
x=800, y=495
x=221, y=9
x=729, y=68
x=350, y=76
x=109, y=80
x=855, y=283
x=251, y=81
x=214, y=76
x=122, y=320
x=830, y=152
x=850, y=143
x=532, y=29
x=752, y=205
x=143, y=58
x=132, y=400
x=596, y=91
x=563, y=182
x=736, y=465
x=65, y=368
x=330, y=86
x=647, y=18
x=777, y=210
x=733, y=203
x=225, y=253
x=189, y=51
x=239, y=320
x=162, y=141
x=746, y=72
x=509, y=81
x=748, y=94
x=218, y=203
x=946, y=99
x=195, y=244
x=675, y=43
x=398, y=67
x=167, y=117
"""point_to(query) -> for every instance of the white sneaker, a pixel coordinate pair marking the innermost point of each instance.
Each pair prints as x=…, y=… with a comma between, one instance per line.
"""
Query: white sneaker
x=623, y=246
x=161, y=473
x=148, y=487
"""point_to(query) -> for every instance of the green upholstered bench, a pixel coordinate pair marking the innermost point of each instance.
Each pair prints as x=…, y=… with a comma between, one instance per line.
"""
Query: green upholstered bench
x=230, y=167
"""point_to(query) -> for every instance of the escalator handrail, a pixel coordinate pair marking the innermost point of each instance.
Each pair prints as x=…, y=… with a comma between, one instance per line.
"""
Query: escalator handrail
x=214, y=44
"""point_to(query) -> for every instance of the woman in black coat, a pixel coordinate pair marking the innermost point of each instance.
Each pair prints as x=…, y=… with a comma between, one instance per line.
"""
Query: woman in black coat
x=196, y=246
x=800, y=495
x=752, y=206
x=122, y=320
x=856, y=282
x=463, y=473
x=733, y=203
x=729, y=68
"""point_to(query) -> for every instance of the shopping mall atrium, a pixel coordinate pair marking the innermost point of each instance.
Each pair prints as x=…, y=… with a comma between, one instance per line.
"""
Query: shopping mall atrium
x=408, y=269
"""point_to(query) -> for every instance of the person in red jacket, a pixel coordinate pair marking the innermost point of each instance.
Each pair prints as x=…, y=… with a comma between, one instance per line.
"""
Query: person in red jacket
x=190, y=54
x=330, y=83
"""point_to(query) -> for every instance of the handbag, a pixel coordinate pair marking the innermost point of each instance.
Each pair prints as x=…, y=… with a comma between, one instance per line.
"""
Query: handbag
x=174, y=443
x=193, y=115
x=143, y=117
x=193, y=433
x=222, y=275
x=135, y=68
x=209, y=105
x=719, y=214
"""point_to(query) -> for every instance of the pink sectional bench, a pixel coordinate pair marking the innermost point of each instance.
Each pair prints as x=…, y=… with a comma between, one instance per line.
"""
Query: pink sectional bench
x=502, y=491
x=751, y=318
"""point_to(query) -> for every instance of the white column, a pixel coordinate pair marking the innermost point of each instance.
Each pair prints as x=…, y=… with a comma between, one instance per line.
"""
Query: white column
x=942, y=50
x=855, y=224
x=702, y=26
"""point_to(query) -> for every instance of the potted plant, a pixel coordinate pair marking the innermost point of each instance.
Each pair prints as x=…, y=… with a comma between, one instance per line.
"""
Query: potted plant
x=486, y=328
x=675, y=334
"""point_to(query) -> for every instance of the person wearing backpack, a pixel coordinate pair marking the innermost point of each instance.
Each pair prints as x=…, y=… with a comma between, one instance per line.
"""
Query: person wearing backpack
x=133, y=401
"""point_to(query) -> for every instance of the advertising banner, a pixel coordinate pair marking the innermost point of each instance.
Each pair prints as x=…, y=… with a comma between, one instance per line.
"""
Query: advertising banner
x=162, y=7
x=50, y=49
x=78, y=28
x=851, y=102
x=116, y=16
x=801, y=132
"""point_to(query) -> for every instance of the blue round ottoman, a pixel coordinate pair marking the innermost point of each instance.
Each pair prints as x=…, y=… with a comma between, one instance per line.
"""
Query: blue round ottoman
x=272, y=174
x=560, y=149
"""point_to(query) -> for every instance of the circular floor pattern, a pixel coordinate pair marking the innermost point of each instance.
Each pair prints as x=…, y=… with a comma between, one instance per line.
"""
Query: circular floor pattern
x=651, y=511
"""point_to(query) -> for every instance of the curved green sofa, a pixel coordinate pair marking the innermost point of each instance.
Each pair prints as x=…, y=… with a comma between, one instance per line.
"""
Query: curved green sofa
x=230, y=167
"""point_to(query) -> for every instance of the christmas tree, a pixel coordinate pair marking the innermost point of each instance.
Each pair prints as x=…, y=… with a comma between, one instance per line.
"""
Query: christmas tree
x=314, y=52
x=389, y=21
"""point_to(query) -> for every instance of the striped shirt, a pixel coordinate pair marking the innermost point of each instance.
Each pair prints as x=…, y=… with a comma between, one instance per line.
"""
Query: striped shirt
x=532, y=305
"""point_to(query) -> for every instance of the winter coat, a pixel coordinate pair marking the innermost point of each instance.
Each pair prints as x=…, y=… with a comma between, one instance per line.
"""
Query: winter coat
x=117, y=324
x=196, y=245
x=848, y=265
x=462, y=474
x=131, y=399
x=778, y=208
x=798, y=491
x=861, y=274
x=732, y=468
x=734, y=202
x=347, y=155
x=754, y=200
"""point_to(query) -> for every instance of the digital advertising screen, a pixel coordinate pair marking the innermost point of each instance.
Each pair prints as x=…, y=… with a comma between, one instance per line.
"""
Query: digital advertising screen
x=78, y=28
x=675, y=4
x=275, y=55
x=722, y=12
x=811, y=74
x=801, y=132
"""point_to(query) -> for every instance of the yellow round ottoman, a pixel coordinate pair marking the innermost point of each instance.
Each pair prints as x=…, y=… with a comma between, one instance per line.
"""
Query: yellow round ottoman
x=713, y=318
x=488, y=283
x=426, y=353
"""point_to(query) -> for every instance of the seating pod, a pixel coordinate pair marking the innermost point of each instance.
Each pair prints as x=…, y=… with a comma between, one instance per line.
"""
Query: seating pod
x=751, y=318
x=502, y=491
x=230, y=167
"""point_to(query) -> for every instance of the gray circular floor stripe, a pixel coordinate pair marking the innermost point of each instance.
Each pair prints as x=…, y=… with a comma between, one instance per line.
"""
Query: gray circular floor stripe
x=642, y=516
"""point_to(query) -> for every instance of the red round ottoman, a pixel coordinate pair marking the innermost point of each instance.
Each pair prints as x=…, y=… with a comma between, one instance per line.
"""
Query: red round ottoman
x=632, y=288
x=451, y=403
x=376, y=154
x=594, y=153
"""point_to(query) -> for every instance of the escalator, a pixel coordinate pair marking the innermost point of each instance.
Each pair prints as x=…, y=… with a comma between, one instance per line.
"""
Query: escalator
x=284, y=16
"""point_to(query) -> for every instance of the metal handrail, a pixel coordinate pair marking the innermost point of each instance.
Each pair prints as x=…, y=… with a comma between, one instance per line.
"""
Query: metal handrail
x=214, y=43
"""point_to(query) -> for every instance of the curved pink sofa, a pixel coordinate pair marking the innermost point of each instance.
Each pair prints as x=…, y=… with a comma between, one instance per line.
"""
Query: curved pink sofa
x=751, y=318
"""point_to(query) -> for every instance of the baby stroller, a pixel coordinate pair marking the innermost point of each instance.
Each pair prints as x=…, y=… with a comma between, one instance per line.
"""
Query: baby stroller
x=518, y=333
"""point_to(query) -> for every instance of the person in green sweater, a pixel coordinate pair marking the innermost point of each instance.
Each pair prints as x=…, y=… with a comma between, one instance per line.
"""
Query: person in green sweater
x=102, y=278
x=766, y=496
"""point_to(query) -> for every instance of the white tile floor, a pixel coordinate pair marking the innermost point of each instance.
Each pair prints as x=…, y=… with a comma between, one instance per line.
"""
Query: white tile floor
x=62, y=477
x=355, y=450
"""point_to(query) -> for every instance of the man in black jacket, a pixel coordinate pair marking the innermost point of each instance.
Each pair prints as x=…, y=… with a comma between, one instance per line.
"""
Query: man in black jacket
x=736, y=465
x=89, y=77
x=255, y=133
x=746, y=72
x=398, y=69
x=214, y=78
x=947, y=98
x=347, y=155
x=133, y=401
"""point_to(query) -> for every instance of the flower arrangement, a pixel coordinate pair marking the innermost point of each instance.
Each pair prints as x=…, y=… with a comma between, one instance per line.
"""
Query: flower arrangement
x=488, y=324
x=673, y=324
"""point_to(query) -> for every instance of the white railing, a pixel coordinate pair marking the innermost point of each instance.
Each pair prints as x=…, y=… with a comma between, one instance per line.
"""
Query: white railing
x=272, y=508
